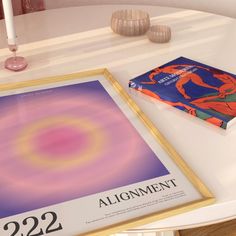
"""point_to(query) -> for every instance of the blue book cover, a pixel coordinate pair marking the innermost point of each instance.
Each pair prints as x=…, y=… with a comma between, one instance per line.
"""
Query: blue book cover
x=198, y=89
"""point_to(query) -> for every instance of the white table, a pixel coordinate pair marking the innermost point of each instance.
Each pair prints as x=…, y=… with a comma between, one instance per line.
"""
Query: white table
x=68, y=40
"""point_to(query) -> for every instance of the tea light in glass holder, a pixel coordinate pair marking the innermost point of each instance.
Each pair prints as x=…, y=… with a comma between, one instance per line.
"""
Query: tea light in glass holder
x=130, y=22
x=159, y=33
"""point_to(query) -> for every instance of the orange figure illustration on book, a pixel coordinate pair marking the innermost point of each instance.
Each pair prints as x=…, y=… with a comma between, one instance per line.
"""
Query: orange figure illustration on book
x=186, y=76
x=220, y=102
x=190, y=110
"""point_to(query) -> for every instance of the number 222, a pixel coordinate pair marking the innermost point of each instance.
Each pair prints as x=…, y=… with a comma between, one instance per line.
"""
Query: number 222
x=50, y=228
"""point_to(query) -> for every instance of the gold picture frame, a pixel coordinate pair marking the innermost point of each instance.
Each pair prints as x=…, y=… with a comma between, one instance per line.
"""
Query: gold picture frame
x=186, y=192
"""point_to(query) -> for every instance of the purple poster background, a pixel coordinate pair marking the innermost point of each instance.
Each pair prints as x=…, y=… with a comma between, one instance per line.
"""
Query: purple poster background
x=66, y=143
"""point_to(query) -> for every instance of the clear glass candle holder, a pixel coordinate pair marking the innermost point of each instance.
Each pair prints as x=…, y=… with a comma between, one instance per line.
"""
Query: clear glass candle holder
x=159, y=33
x=130, y=22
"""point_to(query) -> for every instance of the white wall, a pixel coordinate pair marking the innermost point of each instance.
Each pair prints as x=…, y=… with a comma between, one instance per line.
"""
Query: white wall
x=223, y=7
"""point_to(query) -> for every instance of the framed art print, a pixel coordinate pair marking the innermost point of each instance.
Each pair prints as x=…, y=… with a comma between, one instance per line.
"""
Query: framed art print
x=78, y=157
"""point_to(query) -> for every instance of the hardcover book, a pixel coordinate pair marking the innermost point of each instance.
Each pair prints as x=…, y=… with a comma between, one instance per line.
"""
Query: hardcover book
x=198, y=89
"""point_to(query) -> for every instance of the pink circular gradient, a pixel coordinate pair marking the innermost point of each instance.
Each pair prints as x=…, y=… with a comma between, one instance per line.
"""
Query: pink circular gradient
x=60, y=141
x=122, y=141
x=119, y=157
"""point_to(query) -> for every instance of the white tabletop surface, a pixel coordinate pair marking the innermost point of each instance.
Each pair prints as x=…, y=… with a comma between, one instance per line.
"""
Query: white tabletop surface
x=68, y=40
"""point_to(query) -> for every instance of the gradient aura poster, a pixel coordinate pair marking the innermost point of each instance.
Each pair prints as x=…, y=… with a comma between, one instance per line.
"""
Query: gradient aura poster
x=65, y=143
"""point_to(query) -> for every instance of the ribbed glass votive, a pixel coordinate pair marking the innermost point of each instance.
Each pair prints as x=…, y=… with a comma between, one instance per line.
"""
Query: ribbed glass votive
x=159, y=33
x=130, y=22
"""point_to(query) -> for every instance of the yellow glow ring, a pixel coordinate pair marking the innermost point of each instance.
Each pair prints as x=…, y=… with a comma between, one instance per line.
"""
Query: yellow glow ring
x=97, y=139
